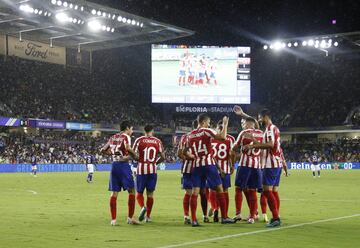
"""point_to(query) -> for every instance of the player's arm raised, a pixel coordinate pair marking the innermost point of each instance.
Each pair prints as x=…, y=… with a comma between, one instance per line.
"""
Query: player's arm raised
x=238, y=111
x=223, y=132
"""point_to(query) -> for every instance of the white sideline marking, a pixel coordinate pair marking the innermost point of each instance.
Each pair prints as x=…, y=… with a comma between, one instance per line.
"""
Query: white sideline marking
x=334, y=200
x=32, y=191
x=259, y=231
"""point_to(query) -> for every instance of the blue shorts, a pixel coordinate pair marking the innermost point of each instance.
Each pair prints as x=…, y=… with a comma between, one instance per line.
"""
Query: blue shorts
x=255, y=180
x=201, y=75
x=147, y=182
x=212, y=75
x=186, y=181
x=203, y=175
x=271, y=176
x=226, y=181
x=247, y=178
x=182, y=73
x=121, y=177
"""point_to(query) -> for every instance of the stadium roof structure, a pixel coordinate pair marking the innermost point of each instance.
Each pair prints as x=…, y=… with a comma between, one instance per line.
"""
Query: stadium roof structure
x=81, y=24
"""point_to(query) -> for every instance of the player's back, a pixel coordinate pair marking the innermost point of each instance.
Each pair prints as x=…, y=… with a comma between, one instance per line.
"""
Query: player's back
x=118, y=144
x=199, y=142
x=148, y=149
x=187, y=162
x=222, y=150
x=250, y=157
x=272, y=157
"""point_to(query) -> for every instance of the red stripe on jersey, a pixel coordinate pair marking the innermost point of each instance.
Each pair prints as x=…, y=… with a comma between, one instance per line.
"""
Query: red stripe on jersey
x=148, y=149
x=249, y=158
x=222, y=149
x=199, y=143
x=273, y=156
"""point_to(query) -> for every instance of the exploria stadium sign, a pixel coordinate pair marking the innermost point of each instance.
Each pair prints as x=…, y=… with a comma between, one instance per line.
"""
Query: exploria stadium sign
x=186, y=109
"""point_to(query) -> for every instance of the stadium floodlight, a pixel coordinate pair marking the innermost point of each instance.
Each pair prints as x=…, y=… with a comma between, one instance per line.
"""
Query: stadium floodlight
x=265, y=47
x=289, y=44
x=65, y=4
x=71, y=6
x=271, y=46
x=316, y=45
x=94, y=25
x=62, y=17
x=104, y=14
x=124, y=20
x=59, y=3
x=133, y=22
x=79, y=21
x=336, y=43
x=99, y=13
x=82, y=8
x=40, y=12
x=323, y=44
x=45, y=14
x=76, y=7
x=36, y=11
x=108, y=29
x=311, y=42
x=103, y=27
x=277, y=45
x=109, y=16
x=138, y=24
x=128, y=21
x=74, y=20
x=304, y=43
x=53, y=2
x=113, y=17
x=119, y=18
x=112, y=30
x=26, y=8
x=296, y=44
x=142, y=24
x=93, y=11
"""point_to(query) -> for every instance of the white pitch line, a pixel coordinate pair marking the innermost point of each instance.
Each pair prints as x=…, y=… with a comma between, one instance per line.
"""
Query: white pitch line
x=32, y=191
x=312, y=200
x=259, y=231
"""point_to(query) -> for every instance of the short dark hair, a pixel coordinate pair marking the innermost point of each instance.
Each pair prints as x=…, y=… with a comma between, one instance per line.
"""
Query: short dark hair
x=124, y=125
x=148, y=128
x=265, y=112
x=202, y=117
x=195, y=124
x=250, y=119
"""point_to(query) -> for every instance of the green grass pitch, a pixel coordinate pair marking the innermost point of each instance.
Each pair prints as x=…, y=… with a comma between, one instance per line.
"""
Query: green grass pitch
x=62, y=210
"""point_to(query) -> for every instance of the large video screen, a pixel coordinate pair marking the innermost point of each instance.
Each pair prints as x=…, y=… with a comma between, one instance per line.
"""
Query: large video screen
x=201, y=74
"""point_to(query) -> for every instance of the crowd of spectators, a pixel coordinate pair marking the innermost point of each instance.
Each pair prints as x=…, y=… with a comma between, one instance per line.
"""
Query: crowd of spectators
x=297, y=91
x=57, y=147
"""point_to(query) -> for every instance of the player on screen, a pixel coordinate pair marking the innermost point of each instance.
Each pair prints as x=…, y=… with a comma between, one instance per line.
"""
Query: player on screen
x=151, y=152
x=191, y=69
x=272, y=164
x=182, y=70
x=205, y=170
x=315, y=164
x=119, y=146
x=90, y=167
x=248, y=175
x=34, y=164
x=186, y=167
x=212, y=69
x=224, y=158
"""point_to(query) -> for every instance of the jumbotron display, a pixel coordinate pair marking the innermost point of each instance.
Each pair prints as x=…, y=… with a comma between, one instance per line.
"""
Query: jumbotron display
x=201, y=74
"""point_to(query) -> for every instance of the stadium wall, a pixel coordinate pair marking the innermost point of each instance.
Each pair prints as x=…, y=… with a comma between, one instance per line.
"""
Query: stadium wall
x=168, y=166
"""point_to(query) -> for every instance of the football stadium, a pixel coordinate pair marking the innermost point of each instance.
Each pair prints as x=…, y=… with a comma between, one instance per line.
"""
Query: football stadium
x=151, y=123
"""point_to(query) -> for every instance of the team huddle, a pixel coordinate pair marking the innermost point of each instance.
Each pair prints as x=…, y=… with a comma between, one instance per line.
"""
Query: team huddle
x=208, y=158
x=197, y=70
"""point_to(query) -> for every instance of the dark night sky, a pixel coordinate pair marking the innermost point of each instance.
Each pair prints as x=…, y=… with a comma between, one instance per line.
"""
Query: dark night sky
x=226, y=22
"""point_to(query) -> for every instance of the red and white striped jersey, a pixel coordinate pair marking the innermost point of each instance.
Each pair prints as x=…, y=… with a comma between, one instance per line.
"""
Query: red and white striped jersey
x=272, y=157
x=249, y=158
x=199, y=143
x=222, y=149
x=148, y=149
x=186, y=163
x=117, y=144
